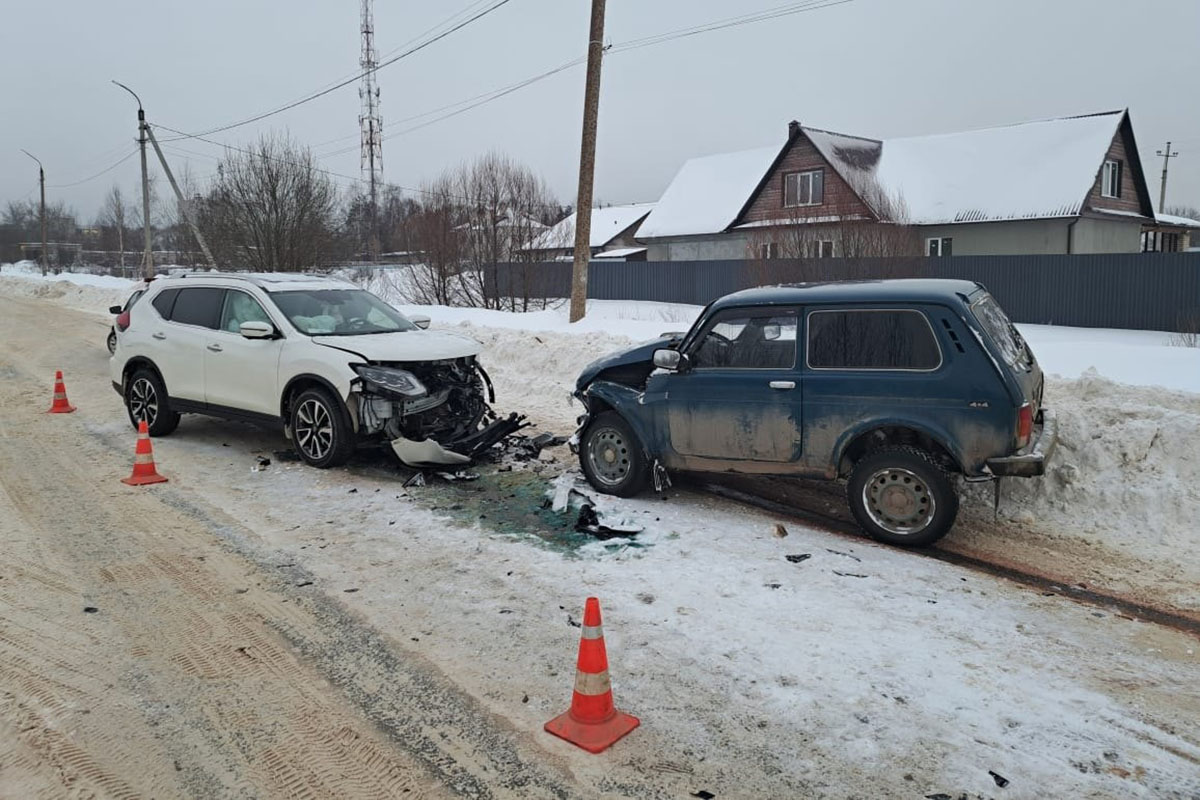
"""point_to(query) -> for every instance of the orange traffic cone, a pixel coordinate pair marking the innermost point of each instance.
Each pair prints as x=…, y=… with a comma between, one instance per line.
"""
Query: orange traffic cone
x=592, y=722
x=143, y=460
x=60, y=404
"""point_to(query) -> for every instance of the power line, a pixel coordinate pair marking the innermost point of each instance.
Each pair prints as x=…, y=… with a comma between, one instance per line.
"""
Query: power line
x=355, y=78
x=104, y=171
x=623, y=47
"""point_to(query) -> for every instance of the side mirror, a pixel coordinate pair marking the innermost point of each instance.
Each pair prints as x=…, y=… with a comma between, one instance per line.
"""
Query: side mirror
x=115, y=309
x=257, y=330
x=420, y=320
x=667, y=359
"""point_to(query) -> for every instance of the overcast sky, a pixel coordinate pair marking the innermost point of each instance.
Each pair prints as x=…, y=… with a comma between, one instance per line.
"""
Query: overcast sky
x=869, y=67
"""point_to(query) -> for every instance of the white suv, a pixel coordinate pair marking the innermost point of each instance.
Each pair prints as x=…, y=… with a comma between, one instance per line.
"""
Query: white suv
x=332, y=363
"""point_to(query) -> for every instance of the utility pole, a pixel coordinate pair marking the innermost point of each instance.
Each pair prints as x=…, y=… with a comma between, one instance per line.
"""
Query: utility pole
x=587, y=164
x=184, y=205
x=42, y=180
x=1167, y=155
x=371, y=125
x=147, y=254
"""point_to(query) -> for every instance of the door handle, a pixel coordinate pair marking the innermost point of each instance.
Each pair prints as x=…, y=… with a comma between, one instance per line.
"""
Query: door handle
x=216, y=348
x=782, y=385
x=158, y=335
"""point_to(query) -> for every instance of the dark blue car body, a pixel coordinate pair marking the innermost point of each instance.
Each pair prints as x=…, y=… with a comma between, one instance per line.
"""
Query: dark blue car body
x=963, y=406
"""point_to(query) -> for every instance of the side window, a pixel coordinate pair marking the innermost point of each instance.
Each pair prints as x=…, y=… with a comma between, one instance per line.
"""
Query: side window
x=164, y=301
x=241, y=307
x=748, y=339
x=872, y=339
x=198, y=306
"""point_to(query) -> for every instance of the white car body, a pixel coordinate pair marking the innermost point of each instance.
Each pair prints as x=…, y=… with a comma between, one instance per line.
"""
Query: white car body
x=225, y=373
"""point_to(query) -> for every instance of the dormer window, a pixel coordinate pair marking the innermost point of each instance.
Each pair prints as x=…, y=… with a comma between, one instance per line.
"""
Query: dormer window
x=804, y=188
x=1110, y=178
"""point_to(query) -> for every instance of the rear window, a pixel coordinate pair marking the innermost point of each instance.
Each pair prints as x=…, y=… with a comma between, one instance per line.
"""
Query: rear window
x=164, y=301
x=199, y=306
x=999, y=329
x=872, y=339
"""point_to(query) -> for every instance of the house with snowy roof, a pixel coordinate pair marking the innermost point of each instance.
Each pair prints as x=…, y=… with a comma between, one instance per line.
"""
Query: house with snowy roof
x=1066, y=185
x=611, y=235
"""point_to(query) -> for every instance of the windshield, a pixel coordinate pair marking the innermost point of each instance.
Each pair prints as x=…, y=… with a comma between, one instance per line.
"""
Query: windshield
x=998, y=327
x=339, y=312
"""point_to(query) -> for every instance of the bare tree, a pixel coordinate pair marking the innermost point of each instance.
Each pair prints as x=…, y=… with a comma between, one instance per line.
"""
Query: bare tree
x=115, y=214
x=271, y=208
x=438, y=279
x=1191, y=212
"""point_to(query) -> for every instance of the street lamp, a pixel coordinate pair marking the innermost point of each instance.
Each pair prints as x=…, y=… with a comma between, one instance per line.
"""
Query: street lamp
x=147, y=256
x=42, y=182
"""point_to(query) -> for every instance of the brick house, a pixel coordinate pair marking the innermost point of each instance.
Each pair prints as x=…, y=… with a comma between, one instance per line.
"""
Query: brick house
x=1067, y=185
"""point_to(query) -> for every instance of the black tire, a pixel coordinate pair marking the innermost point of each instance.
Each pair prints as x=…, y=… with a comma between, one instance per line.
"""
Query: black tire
x=611, y=456
x=321, y=429
x=112, y=342
x=146, y=395
x=902, y=496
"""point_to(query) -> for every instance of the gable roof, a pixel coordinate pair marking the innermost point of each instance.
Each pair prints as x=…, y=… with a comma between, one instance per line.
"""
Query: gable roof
x=607, y=224
x=708, y=193
x=1033, y=170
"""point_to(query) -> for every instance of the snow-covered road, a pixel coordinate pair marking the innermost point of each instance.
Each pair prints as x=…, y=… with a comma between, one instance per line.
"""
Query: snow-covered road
x=857, y=671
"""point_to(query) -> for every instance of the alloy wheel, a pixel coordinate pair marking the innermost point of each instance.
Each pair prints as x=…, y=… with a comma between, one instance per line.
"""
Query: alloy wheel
x=143, y=401
x=314, y=429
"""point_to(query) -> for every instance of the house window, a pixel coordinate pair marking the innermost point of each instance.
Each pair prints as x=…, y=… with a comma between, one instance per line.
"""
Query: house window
x=943, y=246
x=819, y=248
x=768, y=250
x=804, y=188
x=1111, y=179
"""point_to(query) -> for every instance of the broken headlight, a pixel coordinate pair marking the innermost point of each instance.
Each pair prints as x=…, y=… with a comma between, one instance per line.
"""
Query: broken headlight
x=386, y=380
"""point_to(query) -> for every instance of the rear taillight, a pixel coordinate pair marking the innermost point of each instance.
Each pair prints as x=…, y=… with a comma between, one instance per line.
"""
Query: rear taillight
x=123, y=320
x=1024, y=425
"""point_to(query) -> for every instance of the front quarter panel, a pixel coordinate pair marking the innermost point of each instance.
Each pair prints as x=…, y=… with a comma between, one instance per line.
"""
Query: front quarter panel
x=642, y=410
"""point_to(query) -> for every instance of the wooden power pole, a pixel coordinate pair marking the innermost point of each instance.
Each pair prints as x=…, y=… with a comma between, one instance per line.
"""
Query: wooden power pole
x=1167, y=155
x=42, y=181
x=587, y=165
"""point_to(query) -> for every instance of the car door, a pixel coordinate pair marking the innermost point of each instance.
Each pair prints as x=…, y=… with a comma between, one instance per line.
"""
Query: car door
x=241, y=373
x=178, y=339
x=739, y=397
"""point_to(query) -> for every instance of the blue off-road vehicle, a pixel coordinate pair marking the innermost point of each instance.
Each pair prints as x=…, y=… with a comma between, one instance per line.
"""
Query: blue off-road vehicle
x=894, y=386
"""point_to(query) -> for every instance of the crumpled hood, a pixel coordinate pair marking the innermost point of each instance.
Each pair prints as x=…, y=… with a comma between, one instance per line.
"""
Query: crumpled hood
x=404, y=345
x=638, y=354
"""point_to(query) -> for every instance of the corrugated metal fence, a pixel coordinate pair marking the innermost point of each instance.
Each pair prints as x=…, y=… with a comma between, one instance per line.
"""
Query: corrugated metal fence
x=1149, y=291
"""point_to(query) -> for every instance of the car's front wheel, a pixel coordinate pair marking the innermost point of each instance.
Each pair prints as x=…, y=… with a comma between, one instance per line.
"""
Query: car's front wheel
x=901, y=495
x=321, y=429
x=112, y=341
x=611, y=456
x=146, y=398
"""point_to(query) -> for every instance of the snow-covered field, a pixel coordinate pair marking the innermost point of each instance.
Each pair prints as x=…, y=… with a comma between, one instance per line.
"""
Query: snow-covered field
x=858, y=671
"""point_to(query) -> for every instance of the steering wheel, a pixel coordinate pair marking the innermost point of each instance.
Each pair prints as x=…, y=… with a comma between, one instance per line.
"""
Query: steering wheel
x=725, y=340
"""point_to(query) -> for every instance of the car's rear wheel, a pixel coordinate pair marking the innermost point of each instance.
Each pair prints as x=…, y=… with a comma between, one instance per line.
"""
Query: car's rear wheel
x=901, y=495
x=611, y=456
x=146, y=398
x=321, y=430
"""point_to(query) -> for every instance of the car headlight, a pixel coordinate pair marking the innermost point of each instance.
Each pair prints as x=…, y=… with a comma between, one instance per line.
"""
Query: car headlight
x=389, y=380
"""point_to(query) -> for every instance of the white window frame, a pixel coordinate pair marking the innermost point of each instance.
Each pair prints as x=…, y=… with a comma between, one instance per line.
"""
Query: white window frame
x=935, y=246
x=804, y=181
x=1110, y=179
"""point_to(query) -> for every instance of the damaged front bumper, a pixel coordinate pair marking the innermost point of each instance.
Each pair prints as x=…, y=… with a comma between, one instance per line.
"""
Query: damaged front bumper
x=1031, y=462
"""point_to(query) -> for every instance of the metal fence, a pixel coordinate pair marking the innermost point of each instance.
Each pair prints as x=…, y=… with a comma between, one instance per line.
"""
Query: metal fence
x=1147, y=291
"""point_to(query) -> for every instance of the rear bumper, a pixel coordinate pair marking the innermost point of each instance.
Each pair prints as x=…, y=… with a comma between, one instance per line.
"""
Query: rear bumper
x=1031, y=462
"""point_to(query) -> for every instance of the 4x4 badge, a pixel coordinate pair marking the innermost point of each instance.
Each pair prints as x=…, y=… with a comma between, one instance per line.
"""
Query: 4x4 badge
x=978, y=404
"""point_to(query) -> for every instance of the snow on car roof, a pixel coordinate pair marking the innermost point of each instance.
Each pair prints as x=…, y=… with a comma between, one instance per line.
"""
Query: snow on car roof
x=607, y=223
x=708, y=193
